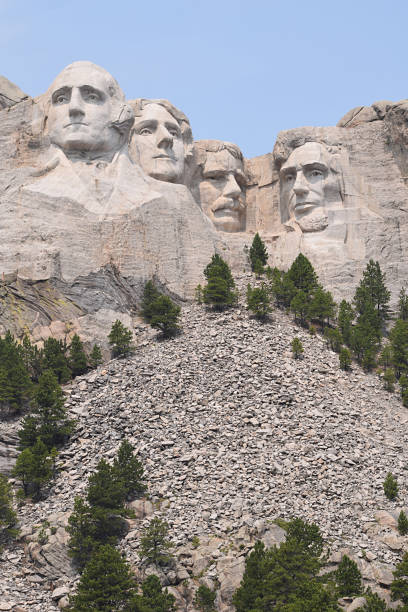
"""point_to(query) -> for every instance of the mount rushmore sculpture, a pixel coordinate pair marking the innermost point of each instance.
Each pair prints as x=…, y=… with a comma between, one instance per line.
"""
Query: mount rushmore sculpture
x=98, y=194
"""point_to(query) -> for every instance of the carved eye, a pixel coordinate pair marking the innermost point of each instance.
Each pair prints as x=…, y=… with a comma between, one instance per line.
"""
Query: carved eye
x=289, y=178
x=93, y=97
x=145, y=131
x=315, y=173
x=61, y=99
x=174, y=133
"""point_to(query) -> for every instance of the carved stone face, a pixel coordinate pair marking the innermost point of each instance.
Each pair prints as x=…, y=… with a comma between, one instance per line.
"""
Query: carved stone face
x=222, y=191
x=81, y=109
x=159, y=143
x=309, y=187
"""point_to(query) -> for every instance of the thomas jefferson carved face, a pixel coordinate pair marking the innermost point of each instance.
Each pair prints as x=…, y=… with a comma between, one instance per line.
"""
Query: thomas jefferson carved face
x=84, y=104
x=222, y=190
x=309, y=186
x=159, y=144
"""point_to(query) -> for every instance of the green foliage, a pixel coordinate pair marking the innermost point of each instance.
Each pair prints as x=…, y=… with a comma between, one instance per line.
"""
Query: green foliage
x=150, y=294
x=120, y=339
x=297, y=348
x=312, y=330
x=153, y=598
x=165, y=315
x=33, y=468
x=399, y=346
x=15, y=383
x=95, y=358
x=303, y=275
x=300, y=306
x=154, y=544
x=105, y=489
x=48, y=419
x=345, y=321
x=198, y=294
x=106, y=584
x=55, y=359
x=366, y=337
x=372, y=291
x=402, y=523
x=390, y=486
x=8, y=516
x=399, y=586
x=385, y=358
x=204, y=599
x=258, y=255
x=258, y=301
x=374, y=603
x=334, y=338
x=286, y=578
x=219, y=290
x=345, y=359
x=77, y=358
x=403, y=305
x=129, y=470
x=389, y=379
x=322, y=306
x=33, y=358
x=282, y=288
x=348, y=578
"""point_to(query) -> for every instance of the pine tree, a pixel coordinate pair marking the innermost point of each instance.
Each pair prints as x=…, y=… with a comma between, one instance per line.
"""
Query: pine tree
x=33, y=468
x=348, y=578
x=48, y=419
x=258, y=254
x=220, y=269
x=345, y=359
x=372, y=290
x=334, y=338
x=399, y=346
x=129, y=470
x=77, y=358
x=198, y=294
x=389, y=380
x=8, y=516
x=165, y=315
x=120, y=339
x=106, y=584
x=366, y=336
x=374, y=603
x=55, y=359
x=403, y=305
x=154, y=544
x=297, y=348
x=33, y=358
x=399, y=586
x=150, y=294
x=258, y=301
x=390, y=487
x=345, y=321
x=322, y=306
x=15, y=383
x=219, y=290
x=95, y=358
x=153, y=598
x=402, y=523
x=83, y=529
x=303, y=275
x=105, y=489
x=385, y=358
x=204, y=599
x=300, y=306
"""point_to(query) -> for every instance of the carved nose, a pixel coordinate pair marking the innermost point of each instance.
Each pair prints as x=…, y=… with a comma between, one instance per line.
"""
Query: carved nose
x=300, y=186
x=76, y=104
x=231, y=189
x=165, y=139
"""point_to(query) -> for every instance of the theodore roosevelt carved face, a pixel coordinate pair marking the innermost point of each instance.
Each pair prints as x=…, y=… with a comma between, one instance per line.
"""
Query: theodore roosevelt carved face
x=87, y=111
x=222, y=184
x=161, y=139
x=310, y=186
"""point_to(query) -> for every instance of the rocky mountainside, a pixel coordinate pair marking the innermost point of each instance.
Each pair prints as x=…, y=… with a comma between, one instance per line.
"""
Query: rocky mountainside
x=234, y=434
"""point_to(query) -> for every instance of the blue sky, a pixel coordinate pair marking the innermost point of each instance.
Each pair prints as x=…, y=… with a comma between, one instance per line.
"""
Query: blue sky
x=241, y=70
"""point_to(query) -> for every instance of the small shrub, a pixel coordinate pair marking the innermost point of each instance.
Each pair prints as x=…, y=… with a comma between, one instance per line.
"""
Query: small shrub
x=95, y=358
x=154, y=543
x=204, y=599
x=389, y=380
x=120, y=339
x=195, y=541
x=348, y=578
x=345, y=359
x=390, y=487
x=297, y=348
x=312, y=330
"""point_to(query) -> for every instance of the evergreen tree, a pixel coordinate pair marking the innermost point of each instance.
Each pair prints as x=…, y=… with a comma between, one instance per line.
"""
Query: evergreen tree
x=334, y=338
x=48, y=419
x=33, y=358
x=402, y=523
x=374, y=603
x=33, y=468
x=55, y=359
x=153, y=598
x=258, y=301
x=8, y=516
x=129, y=470
x=403, y=305
x=372, y=290
x=303, y=275
x=258, y=255
x=300, y=306
x=165, y=315
x=282, y=288
x=83, y=529
x=220, y=269
x=204, y=599
x=399, y=586
x=385, y=359
x=366, y=336
x=95, y=358
x=106, y=584
x=219, y=290
x=390, y=487
x=297, y=348
x=105, y=489
x=120, y=339
x=345, y=359
x=322, y=306
x=154, y=544
x=77, y=358
x=150, y=294
x=399, y=346
x=198, y=294
x=348, y=578
x=345, y=321
x=389, y=379
x=15, y=382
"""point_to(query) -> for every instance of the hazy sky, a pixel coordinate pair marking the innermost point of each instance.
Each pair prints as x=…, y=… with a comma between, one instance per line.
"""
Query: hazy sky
x=241, y=70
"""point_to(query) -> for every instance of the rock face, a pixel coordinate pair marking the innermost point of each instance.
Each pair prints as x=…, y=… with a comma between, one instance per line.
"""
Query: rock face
x=10, y=93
